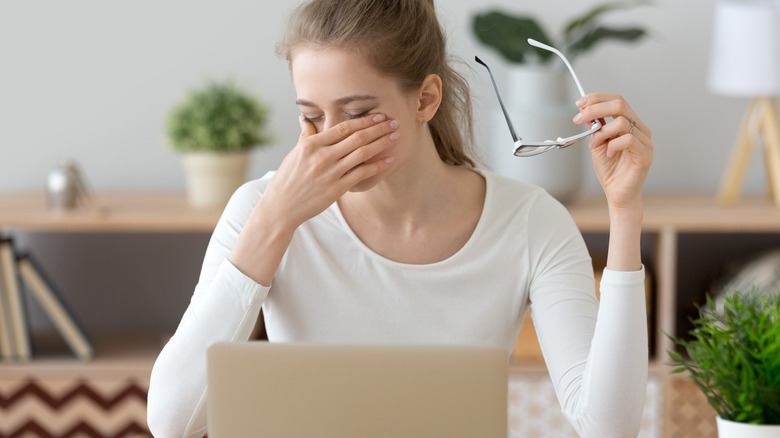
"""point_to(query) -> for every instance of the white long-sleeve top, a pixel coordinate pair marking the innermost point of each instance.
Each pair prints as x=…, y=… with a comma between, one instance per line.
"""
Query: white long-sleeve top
x=330, y=287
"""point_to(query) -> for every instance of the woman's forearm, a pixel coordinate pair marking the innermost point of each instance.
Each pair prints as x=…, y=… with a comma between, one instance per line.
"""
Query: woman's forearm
x=261, y=245
x=625, y=233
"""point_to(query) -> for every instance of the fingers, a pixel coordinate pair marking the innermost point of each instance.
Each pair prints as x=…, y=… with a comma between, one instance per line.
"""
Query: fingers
x=613, y=129
x=364, y=171
x=603, y=105
x=357, y=140
x=350, y=151
x=345, y=129
x=307, y=128
x=635, y=143
x=619, y=135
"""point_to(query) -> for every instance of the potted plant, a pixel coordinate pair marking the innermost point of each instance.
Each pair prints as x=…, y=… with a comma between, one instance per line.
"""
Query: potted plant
x=215, y=127
x=733, y=356
x=537, y=87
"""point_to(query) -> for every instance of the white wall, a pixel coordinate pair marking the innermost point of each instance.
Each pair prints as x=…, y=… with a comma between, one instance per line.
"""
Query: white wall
x=93, y=80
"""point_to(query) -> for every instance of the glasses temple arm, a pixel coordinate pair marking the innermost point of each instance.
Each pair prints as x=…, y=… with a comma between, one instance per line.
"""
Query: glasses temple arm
x=535, y=43
x=500, y=102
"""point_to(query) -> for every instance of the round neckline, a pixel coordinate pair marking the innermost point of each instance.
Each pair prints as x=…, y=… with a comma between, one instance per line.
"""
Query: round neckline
x=470, y=242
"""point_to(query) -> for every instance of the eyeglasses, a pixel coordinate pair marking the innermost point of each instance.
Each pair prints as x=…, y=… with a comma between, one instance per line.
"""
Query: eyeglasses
x=524, y=148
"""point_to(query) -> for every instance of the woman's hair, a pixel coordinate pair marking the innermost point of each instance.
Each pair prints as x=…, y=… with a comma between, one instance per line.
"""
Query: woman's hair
x=403, y=40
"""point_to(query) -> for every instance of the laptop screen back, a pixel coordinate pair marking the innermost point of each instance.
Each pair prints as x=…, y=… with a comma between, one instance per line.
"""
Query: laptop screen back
x=324, y=390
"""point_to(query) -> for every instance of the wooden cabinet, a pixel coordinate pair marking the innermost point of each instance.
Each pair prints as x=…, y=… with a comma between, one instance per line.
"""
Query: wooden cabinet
x=686, y=240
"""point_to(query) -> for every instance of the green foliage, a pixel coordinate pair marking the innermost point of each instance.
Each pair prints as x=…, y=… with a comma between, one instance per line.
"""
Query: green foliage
x=218, y=117
x=508, y=34
x=734, y=357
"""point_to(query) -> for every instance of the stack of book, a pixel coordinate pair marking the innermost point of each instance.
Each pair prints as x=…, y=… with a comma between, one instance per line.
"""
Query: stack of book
x=15, y=345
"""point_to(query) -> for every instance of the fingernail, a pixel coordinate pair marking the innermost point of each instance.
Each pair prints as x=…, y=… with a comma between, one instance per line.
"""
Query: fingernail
x=393, y=124
x=388, y=160
x=378, y=118
x=394, y=136
x=578, y=118
x=583, y=100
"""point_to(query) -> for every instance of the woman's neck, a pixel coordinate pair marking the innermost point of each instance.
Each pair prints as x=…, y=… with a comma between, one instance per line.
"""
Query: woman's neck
x=415, y=195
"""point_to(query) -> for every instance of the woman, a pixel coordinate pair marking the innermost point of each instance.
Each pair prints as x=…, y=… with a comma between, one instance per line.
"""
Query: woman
x=377, y=228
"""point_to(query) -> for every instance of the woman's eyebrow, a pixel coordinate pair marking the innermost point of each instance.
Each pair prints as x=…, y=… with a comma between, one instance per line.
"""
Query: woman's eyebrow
x=341, y=101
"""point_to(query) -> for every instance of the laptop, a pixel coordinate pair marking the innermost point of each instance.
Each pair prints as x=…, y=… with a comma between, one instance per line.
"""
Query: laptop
x=261, y=389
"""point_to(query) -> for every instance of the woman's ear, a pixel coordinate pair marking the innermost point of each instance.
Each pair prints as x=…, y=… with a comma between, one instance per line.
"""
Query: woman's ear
x=429, y=98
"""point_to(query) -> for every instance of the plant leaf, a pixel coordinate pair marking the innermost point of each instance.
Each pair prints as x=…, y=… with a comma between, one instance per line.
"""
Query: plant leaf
x=733, y=357
x=508, y=34
x=587, y=41
x=589, y=18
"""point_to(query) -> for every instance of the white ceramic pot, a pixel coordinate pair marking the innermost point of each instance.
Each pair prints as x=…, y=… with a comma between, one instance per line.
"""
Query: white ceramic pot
x=733, y=429
x=213, y=177
x=541, y=108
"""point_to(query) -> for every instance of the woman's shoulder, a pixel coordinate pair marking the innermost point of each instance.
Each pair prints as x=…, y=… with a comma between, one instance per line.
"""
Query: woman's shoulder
x=251, y=191
x=512, y=199
x=509, y=191
x=244, y=199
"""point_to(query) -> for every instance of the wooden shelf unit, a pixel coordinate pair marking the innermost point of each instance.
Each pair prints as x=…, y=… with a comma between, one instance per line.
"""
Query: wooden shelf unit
x=666, y=219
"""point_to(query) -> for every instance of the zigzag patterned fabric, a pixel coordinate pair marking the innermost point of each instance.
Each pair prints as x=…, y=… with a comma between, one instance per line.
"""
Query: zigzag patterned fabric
x=56, y=408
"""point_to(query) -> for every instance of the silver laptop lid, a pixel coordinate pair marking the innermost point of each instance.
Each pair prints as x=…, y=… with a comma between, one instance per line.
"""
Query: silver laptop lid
x=323, y=390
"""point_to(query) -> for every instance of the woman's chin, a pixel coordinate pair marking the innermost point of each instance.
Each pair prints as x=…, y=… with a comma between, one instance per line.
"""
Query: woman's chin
x=366, y=184
x=370, y=183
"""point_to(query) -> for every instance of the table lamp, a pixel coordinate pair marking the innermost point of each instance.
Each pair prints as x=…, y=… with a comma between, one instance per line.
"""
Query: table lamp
x=745, y=62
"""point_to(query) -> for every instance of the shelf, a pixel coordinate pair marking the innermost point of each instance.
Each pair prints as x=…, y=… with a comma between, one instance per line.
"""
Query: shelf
x=109, y=212
x=116, y=354
x=655, y=367
x=694, y=213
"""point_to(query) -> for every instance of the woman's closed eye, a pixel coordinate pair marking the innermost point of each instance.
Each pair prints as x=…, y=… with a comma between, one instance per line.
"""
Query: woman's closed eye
x=312, y=119
x=349, y=116
x=357, y=116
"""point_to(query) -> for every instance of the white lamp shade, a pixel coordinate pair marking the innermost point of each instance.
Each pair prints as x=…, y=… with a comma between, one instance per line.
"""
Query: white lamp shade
x=745, y=57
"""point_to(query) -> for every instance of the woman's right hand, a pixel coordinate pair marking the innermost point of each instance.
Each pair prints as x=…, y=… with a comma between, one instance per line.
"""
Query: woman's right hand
x=316, y=173
x=324, y=166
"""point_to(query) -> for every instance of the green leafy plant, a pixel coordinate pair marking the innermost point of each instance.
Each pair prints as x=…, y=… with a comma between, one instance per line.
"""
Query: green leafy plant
x=219, y=117
x=508, y=33
x=734, y=357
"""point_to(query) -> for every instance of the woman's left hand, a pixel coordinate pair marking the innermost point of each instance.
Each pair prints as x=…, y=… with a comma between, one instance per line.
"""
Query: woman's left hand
x=622, y=149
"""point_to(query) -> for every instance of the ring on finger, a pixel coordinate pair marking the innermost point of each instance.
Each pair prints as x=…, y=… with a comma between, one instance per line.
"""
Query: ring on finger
x=633, y=125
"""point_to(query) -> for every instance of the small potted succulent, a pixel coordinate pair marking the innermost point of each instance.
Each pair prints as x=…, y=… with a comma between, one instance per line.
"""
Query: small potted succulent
x=215, y=127
x=733, y=356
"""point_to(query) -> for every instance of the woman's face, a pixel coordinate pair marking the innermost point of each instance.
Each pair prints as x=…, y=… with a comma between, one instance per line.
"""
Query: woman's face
x=334, y=85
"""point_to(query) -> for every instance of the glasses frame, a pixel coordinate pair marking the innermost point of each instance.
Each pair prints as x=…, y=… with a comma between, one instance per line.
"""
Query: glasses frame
x=524, y=148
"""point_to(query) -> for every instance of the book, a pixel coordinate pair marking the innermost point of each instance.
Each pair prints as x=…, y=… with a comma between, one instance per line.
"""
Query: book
x=55, y=308
x=14, y=303
x=5, y=327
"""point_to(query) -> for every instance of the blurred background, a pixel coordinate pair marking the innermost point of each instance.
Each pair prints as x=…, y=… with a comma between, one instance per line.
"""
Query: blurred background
x=93, y=81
